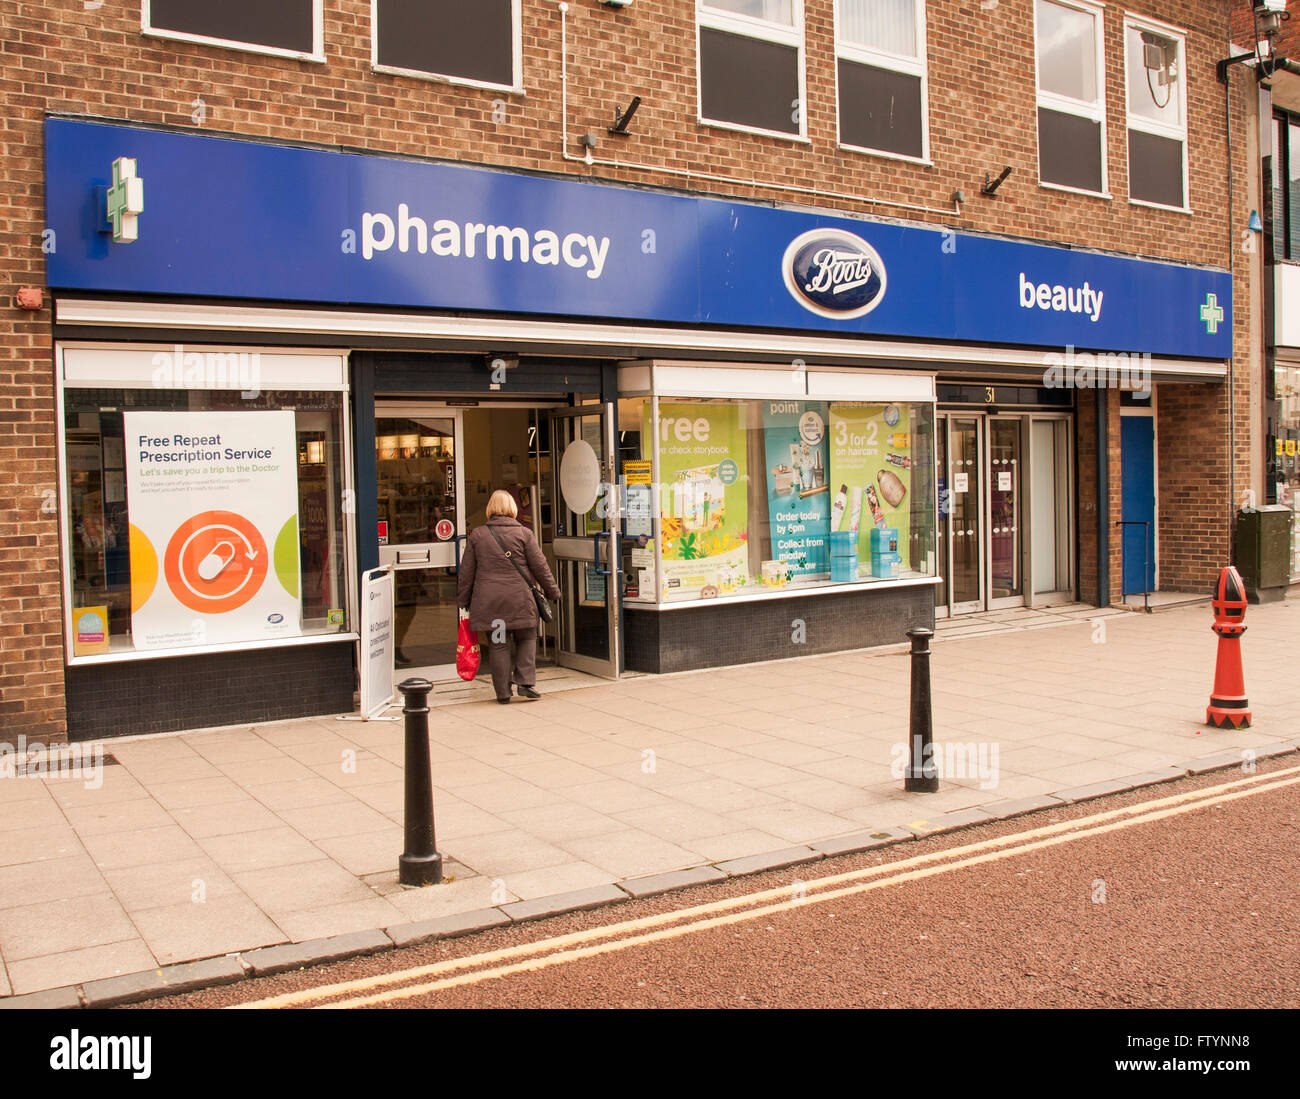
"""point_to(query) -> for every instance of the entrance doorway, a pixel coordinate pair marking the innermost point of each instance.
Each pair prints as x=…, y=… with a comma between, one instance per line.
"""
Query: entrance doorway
x=436, y=466
x=1005, y=511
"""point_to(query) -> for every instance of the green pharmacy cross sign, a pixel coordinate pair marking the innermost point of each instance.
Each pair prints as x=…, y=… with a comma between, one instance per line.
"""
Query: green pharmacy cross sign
x=125, y=200
x=1212, y=313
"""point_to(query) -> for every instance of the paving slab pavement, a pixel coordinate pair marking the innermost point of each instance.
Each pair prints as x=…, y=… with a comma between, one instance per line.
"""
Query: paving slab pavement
x=224, y=841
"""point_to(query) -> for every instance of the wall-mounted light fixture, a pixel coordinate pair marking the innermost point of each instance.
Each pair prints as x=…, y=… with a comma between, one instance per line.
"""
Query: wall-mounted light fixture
x=616, y=3
x=622, y=118
x=1255, y=225
x=991, y=185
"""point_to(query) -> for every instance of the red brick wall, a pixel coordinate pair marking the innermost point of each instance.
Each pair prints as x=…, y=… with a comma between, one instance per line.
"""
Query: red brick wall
x=62, y=57
x=1086, y=429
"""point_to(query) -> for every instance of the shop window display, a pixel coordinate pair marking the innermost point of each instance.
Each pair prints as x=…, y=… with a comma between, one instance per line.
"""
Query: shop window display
x=202, y=518
x=1286, y=454
x=755, y=496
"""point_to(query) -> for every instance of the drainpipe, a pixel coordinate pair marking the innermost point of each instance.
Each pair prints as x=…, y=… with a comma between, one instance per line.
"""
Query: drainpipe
x=1103, y=499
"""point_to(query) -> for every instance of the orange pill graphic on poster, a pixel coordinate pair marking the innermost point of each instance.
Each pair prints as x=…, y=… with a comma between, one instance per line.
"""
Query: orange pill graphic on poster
x=215, y=562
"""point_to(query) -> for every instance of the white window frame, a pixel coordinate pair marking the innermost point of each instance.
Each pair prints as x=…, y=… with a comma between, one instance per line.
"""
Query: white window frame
x=880, y=59
x=734, y=23
x=1148, y=126
x=1077, y=107
x=517, y=59
x=317, y=53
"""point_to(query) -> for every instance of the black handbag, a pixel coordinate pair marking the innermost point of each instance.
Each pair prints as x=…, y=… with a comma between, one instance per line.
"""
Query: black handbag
x=544, y=610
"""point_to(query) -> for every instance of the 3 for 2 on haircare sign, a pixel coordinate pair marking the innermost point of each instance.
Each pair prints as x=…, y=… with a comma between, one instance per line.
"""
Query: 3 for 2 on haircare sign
x=240, y=219
x=213, y=498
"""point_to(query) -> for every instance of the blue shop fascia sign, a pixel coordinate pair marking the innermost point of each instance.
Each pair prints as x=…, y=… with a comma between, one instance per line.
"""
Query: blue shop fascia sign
x=239, y=219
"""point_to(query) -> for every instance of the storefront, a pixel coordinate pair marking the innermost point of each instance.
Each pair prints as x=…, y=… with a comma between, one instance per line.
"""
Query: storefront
x=739, y=431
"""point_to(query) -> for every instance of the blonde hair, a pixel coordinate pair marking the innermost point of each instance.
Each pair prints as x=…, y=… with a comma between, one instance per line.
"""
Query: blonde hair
x=502, y=503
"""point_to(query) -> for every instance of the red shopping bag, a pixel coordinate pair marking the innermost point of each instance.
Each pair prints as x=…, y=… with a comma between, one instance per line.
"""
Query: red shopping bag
x=467, y=654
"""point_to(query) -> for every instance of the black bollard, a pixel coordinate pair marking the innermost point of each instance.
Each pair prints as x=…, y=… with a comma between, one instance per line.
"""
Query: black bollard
x=420, y=863
x=921, y=775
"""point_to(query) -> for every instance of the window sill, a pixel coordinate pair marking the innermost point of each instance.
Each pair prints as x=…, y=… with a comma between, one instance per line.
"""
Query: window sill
x=200, y=650
x=786, y=593
x=1160, y=206
x=442, y=78
x=736, y=127
x=1076, y=190
x=317, y=58
x=923, y=161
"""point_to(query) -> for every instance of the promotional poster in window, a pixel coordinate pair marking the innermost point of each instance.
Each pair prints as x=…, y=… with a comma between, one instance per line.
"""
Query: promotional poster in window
x=798, y=485
x=704, y=512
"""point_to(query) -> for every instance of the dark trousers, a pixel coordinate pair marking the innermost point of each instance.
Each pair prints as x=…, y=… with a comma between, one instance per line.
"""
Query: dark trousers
x=525, y=662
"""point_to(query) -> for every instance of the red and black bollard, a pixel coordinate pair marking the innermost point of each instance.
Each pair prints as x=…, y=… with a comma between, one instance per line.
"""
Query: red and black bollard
x=1229, y=707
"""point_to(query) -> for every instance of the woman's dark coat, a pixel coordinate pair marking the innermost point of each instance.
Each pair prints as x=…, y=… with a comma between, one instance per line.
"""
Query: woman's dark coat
x=489, y=585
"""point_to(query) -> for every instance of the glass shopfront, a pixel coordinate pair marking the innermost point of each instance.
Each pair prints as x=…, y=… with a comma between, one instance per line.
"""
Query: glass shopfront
x=1005, y=525
x=733, y=497
x=204, y=500
x=1285, y=466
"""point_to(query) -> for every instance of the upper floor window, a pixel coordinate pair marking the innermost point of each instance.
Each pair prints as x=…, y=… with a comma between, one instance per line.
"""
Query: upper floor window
x=1157, y=114
x=1071, y=95
x=751, y=64
x=881, y=75
x=287, y=28
x=1286, y=186
x=476, y=43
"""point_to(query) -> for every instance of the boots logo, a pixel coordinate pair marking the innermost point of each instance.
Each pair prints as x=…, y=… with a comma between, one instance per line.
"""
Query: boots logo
x=834, y=274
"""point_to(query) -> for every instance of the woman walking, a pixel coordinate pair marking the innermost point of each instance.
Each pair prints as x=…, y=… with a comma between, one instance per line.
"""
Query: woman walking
x=499, y=600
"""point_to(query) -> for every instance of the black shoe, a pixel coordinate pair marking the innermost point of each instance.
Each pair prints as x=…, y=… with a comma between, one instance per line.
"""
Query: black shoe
x=504, y=701
x=401, y=660
x=528, y=693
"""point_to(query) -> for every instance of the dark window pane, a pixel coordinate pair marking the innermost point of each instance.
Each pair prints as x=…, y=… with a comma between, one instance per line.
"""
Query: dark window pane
x=448, y=38
x=1293, y=190
x=1155, y=168
x=1279, y=210
x=1069, y=150
x=880, y=109
x=285, y=24
x=748, y=81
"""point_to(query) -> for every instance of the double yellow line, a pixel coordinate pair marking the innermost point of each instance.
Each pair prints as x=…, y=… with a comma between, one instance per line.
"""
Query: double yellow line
x=530, y=957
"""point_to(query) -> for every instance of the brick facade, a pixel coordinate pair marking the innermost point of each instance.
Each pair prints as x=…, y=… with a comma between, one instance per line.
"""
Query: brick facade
x=70, y=59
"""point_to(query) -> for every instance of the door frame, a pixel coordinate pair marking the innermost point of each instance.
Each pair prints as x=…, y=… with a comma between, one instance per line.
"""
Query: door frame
x=572, y=548
x=969, y=606
x=436, y=555
x=1025, y=521
x=1004, y=601
x=1067, y=594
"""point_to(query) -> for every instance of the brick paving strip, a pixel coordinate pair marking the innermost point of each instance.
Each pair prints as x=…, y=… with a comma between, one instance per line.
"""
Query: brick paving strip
x=288, y=834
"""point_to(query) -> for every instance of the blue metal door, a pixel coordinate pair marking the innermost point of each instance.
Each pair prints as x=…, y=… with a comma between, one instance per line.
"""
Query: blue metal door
x=1137, y=442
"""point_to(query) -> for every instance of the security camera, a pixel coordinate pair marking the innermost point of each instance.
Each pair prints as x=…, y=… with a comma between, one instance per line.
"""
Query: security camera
x=1269, y=15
